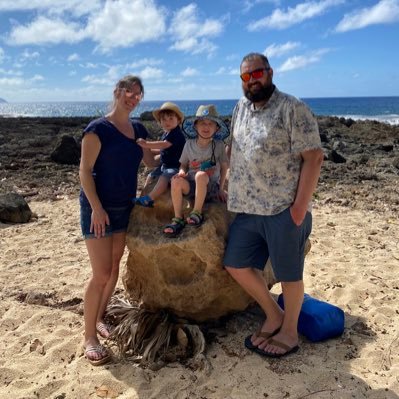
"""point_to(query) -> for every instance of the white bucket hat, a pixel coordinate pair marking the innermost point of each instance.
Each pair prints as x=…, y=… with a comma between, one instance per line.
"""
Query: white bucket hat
x=206, y=112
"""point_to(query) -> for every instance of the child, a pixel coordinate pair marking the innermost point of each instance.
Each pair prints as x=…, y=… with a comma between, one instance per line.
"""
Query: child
x=171, y=146
x=203, y=167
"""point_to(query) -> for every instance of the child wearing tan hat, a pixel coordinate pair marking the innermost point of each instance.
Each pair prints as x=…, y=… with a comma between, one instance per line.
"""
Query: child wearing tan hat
x=170, y=146
x=203, y=168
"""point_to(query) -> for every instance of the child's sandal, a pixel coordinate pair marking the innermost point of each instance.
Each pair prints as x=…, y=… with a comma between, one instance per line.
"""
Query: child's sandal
x=176, y=226
x=145, y=201
x=195, y=219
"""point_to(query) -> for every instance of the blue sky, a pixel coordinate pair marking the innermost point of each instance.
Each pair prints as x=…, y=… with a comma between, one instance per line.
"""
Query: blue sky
x=71, y=50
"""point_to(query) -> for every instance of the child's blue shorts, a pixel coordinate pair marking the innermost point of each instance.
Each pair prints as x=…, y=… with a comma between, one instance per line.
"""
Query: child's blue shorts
x=255, y=238
x=162, y=170
x=118, y=217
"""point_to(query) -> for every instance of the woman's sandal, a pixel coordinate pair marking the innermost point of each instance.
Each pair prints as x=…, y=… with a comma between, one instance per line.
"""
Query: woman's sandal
x=176, y=226
x=145, y=201
x=103, y=329
x=104, y=357
x=195, y=219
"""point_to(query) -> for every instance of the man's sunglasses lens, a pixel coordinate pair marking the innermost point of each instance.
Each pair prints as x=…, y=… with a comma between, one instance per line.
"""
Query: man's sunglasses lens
x=256, y=74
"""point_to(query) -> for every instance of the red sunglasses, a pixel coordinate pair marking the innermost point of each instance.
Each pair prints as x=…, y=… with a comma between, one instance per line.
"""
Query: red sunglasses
x=256, y=74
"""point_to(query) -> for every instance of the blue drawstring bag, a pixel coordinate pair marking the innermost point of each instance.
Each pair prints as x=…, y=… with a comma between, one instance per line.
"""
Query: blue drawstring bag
x=318, y=320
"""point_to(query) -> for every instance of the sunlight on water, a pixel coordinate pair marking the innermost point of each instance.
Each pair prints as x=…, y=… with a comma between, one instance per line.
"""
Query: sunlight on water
x=383, y=109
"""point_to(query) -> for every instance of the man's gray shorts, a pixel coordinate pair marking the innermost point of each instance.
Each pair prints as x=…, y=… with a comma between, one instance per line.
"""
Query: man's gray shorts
x=253, y=238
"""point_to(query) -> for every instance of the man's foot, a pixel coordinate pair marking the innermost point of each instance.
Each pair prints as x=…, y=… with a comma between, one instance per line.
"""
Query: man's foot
x=280, y=344
x=103, y=329
x=259, y=334
x=269, y=328
x=97, y=354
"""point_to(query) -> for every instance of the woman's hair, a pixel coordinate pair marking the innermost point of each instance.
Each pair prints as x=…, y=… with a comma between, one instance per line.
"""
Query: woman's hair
x=127, y=82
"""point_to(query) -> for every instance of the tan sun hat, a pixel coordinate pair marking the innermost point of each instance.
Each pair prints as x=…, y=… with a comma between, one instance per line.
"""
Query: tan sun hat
x=168, y=106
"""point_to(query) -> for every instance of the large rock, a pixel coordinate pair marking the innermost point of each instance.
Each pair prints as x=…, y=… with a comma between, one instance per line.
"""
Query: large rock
x=67, y=151
x=185, y=274
x=14, y=208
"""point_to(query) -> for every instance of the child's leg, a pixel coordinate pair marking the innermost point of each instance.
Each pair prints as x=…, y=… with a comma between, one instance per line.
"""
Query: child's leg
x=160, y=187
x=201, y=186
x=179, y=187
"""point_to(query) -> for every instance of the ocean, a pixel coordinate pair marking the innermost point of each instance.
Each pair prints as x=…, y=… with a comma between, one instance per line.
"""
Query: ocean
x=384, y=109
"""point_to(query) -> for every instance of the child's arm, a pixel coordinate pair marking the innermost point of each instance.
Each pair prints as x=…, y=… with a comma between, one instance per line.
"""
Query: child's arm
x=223, y=174
x=154, y=145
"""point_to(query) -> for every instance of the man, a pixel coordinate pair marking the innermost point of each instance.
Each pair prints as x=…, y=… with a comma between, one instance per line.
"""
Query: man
x=275, y=164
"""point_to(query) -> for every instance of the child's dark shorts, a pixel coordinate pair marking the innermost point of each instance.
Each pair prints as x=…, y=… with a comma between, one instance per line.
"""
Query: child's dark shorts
x=118, y=217
x=164, y=171
x=255, y=238
x=211, y=193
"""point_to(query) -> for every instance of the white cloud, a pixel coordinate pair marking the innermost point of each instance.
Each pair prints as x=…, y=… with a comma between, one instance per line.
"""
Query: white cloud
x=384, y=12
x=75, y=7
x=301, y=61
x=247, y=5
x=108, y=79
x=89, y=65
x=12, y=82
x=280, y=19
x=189, y=72
x=27, y=55
x=228, y=71
x=191, y=34
x=10, y=72
x=37, y=78
x=277, y=50
x=141, y=21
x=151, y=73
x=145, y=62
x=2, y=55
x=73, y=57
x=38, y=32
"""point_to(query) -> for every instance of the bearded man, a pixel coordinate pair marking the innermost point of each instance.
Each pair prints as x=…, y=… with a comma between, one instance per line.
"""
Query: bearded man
x=275, y=161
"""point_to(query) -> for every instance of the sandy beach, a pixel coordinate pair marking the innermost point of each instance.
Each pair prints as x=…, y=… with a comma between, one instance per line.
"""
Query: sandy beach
x=353, y=263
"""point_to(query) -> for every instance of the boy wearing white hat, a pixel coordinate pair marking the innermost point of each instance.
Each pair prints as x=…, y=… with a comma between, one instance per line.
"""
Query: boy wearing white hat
x=170, y=146
x=203, y=167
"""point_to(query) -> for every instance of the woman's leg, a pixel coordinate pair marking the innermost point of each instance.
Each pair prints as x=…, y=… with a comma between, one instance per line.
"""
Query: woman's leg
x=100, y=255
x=118, y=246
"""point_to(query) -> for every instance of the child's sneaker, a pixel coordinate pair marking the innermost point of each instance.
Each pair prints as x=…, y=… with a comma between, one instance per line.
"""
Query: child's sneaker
x=145, y=201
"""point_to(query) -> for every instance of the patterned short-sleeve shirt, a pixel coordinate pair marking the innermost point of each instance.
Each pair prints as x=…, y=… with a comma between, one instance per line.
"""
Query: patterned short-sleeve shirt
x=265, y=162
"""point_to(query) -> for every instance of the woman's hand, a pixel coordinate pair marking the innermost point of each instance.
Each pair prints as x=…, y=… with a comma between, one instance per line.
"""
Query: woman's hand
x=141, y=142
x=99, y=218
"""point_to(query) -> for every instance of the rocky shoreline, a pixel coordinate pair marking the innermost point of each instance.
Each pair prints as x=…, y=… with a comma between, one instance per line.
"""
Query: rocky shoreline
x=360, y=170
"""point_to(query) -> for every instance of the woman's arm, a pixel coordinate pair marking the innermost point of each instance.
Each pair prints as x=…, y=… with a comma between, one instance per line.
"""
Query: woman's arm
x=154, y=145
x=91, y=146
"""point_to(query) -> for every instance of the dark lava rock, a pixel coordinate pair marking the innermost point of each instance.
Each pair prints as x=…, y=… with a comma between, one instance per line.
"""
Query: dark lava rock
x=14, y=208
x=67, y=151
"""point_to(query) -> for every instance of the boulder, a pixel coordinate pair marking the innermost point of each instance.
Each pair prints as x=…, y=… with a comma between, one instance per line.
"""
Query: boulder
x=67, y=151
x=184, y=275
x=14, y=208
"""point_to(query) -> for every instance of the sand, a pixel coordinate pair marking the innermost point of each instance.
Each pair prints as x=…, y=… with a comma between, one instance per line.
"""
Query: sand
x=353, y=263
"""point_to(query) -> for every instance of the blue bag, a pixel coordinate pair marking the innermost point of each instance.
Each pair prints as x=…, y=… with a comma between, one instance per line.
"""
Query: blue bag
x=318, y=320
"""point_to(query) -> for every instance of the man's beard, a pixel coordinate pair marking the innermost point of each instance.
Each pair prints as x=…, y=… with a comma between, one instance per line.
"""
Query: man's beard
x=262, y=94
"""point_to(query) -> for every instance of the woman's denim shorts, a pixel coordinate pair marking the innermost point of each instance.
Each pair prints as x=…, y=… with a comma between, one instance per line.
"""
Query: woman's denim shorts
x=118, y=218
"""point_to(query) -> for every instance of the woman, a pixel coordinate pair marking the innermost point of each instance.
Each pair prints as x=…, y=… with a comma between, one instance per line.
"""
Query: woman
x=108, y=174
